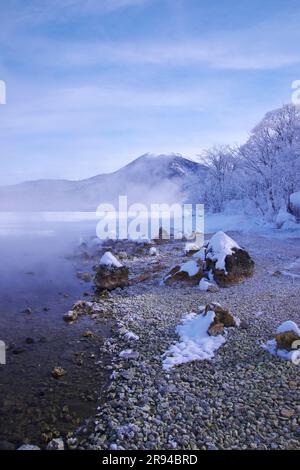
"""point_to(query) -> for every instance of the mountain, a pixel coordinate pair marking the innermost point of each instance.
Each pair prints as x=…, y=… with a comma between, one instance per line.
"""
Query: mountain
x=148, y=179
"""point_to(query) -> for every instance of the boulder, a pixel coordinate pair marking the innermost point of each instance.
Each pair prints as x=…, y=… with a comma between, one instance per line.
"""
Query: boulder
x=229, y=263
x=111, y=277
x=189, y=273
x=111, y=274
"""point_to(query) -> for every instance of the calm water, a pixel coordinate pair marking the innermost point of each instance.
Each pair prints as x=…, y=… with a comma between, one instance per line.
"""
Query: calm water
x=37, y=272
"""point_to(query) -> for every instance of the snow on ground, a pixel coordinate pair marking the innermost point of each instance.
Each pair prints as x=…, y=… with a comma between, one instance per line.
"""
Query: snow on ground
x=285, y=219
x=293, y=269
x=190, y=267
x=191, y=247
x=195, y=343
x=200, y=254
x=108, y=259
x=219, y=246
x=241, y=222
x=204, y=285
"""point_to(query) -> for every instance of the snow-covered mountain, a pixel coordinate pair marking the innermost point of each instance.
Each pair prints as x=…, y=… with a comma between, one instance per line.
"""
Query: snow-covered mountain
x=148, y=179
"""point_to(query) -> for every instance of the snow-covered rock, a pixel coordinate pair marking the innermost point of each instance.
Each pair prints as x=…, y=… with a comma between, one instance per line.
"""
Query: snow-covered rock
x=286, y=343
x=189, y=272
x=228, y=262
x=111, y=274
x=220, y=246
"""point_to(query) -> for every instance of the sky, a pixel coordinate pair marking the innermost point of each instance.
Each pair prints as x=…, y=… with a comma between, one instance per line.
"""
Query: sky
x=93, y=84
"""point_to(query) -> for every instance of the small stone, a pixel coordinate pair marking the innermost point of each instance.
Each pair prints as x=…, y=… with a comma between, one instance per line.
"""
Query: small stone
x=58, y=372
x=287, y=413
x=27, y=310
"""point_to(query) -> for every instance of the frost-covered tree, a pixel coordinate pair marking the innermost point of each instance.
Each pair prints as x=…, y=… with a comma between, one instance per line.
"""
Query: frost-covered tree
x=271, y=160
x=221, y=163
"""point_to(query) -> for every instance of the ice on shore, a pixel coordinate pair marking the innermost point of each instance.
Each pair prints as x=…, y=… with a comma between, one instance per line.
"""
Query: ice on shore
x=195, y=343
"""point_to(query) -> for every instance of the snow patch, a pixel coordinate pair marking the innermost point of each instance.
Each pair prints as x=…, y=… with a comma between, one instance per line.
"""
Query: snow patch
x=191, y=247
x=204, y=285
x=190, y=267
x=195, y=343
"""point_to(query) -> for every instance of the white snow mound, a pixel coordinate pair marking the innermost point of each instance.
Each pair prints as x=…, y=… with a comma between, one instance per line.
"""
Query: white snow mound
x=108, y=259
x=190, y=267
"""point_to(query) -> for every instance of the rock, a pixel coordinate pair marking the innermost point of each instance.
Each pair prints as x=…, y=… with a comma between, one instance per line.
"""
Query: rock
x=238, y=267
x=122, y=255
x=229, y=263
x=19, y=350
x=244, y=325
x=58, y=372
x=221, y=315
x=286, y=413
x=29, y=340
x=70, y=316
x=86, y=277
x=28, y=447
x=189, y=273
x=27, y=310
x=88, y=334
x=216, y=329
x=5, y=445
x=111, y=277
x=56, y=444
x=285, y=340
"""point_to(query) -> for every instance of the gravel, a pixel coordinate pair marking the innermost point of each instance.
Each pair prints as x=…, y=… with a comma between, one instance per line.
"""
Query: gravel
x=243, y=398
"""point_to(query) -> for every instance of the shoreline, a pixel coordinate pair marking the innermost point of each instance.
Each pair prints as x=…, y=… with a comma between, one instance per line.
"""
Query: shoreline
x=243, y=398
